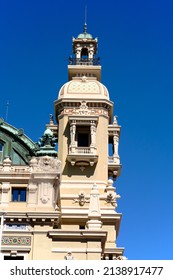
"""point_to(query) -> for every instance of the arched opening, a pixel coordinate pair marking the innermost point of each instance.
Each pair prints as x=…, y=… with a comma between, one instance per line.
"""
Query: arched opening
x=84, y=53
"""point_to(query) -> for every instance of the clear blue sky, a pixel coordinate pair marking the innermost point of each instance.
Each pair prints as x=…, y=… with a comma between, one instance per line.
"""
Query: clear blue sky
x=136, y=50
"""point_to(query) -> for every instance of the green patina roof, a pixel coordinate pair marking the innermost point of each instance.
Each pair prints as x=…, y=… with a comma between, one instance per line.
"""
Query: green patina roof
x=16, y=144
x=85, y=35
x=47, y=144
x=48, y=132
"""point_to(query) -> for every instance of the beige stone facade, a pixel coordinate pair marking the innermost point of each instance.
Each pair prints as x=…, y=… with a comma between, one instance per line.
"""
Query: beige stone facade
x=64, y=206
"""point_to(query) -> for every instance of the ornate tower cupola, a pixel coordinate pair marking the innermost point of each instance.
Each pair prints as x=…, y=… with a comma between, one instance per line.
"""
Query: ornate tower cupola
x=84, y=54
x=85, y=47
x=84, y=102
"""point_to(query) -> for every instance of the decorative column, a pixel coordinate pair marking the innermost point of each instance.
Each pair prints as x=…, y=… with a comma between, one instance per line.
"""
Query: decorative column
x=93, y=136
x=115, y=145
x=116, y=142
x=93, y=133
x=78, y=52
x=94, y=215
x=91, y=52
x=72, y=136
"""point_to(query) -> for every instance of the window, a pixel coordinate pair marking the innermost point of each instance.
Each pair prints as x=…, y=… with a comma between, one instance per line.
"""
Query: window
x=83, y=140
x=83, y=136
x=16, y=158
x=19, y=194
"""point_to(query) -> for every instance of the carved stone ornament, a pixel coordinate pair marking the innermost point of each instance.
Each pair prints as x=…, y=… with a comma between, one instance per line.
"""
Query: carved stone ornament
x=81, y=199
x=7, y=164
x=115, y=120
x=44, y=199
x=112, y=198
x=82, y=110
x=46, y=163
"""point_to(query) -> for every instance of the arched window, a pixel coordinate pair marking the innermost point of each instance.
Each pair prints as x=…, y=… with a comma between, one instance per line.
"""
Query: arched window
x=84, y=53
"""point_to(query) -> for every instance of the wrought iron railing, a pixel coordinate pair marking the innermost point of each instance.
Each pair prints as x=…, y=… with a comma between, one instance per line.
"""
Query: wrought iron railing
x=84, y=61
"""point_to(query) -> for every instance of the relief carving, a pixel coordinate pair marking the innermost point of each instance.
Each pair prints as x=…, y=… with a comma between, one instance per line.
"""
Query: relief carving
x=45, y=163
x=44, y=199
x=82, y=110
x=112, y=198
x=81, y=199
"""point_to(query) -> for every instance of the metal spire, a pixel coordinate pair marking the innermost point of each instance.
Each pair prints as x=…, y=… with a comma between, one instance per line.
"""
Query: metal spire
x=85, y=24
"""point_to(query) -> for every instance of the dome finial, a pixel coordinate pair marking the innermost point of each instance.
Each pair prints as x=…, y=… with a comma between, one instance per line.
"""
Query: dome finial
x=85, y=24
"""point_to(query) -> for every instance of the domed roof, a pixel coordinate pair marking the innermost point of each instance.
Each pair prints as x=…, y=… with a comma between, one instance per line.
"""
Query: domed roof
x=84, y=36
x=85, y=87
x=48, y=132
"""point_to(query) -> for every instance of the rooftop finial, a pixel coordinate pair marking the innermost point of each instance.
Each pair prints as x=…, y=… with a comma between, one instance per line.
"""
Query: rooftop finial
x=85, y=24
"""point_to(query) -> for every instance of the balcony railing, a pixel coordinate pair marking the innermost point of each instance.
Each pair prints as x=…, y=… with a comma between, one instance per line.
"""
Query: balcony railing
x=82, y=156
x=110, y=159
x=113, y=159
x=81, y=150
x=84, y=61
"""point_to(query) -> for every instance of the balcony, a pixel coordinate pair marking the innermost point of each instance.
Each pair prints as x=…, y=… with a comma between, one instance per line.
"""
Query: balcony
x=82, y=156
x=114, y=166
x=84, y=61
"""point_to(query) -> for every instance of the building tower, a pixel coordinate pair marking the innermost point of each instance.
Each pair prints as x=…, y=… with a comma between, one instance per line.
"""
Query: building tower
x=84, y=115
x=63, y=206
